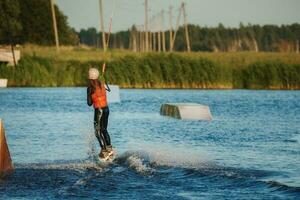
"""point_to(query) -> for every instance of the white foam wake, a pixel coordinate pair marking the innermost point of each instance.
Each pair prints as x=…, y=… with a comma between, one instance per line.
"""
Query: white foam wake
x=138, y=164
x=78, y=166
x=144, y=157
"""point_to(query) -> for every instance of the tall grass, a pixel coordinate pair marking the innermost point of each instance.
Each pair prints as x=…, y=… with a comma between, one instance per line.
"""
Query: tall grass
x=268, y=75
x=159, y=70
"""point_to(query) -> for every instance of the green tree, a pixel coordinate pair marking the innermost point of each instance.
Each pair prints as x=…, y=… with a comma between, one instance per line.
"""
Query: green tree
x=89, y=36
x=10, y=25
x=30, y=21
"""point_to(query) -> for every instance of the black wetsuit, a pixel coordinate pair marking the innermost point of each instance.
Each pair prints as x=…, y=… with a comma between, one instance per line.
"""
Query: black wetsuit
x=100, y=121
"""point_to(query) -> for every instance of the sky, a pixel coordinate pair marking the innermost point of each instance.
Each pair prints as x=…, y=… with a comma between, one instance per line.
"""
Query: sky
x=85, y=13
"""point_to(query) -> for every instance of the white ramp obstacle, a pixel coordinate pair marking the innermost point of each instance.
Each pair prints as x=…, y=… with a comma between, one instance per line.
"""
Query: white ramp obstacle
x=186, y=111
x=114, y=95
x=3, y=83
x=6, y=166
x=7, y=56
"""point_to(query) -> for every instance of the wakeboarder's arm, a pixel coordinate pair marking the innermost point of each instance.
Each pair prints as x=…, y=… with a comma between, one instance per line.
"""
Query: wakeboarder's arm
x=89, y=96
x=107, y=87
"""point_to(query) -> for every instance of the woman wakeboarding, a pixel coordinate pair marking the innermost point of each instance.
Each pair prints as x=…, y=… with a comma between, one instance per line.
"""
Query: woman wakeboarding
x=96, y=96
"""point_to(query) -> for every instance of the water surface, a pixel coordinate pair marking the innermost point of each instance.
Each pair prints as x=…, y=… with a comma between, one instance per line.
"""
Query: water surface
x=250, y=150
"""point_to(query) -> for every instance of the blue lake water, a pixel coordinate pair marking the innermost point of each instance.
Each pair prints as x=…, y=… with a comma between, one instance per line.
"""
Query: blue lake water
x=251, y=149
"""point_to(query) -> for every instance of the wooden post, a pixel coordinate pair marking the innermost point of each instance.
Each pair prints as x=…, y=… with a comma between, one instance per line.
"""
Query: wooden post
x=54, y=25
x=102, y=26
x=6, y=166
x=13, y=53
x=297, y=46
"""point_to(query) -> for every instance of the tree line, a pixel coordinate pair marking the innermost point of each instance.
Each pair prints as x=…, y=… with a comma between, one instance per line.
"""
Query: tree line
x=30, y=21
x=273, y=38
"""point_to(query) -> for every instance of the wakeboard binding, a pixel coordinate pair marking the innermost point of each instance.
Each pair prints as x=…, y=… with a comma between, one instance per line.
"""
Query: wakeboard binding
x=107, y=154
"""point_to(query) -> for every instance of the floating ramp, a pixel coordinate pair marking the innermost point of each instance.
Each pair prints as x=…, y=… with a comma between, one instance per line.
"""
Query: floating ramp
x=6, y=166
x=3, y=83
x=6, y=55
x=114, y=95
x=186, y=111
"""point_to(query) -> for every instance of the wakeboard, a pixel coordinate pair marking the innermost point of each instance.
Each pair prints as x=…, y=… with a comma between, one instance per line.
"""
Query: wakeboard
x=109, y=158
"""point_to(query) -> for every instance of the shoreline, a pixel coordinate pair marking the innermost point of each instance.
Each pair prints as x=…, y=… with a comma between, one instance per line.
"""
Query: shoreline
x=156, y=88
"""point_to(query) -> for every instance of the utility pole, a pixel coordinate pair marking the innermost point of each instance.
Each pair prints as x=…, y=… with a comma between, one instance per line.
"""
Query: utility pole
x=140, y=40
x=131, y=40
x=54, y=25
x=177, y=26
x=163, y=32
x=159, y=40
x=142, y=34
x=186, y=28
x=154, y=41
x=154, y=34
x=146, y=26
x=150, y=41
x=159, y=32
x=134, y=42
x=171, y=27
x=102, y=26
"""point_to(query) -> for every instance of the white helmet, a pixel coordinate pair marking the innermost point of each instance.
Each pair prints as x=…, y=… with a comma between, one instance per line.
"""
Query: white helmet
x=93, y=73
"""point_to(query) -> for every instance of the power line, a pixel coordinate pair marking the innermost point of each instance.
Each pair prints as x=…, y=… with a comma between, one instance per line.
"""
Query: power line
x=151, y=34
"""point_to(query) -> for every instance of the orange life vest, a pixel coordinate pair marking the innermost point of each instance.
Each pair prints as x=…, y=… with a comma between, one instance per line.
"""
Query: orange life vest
x=99, y=97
